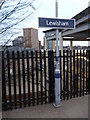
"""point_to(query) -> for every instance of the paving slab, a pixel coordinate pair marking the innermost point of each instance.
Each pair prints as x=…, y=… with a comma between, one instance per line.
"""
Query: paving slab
x=73, y=108
x=0, y=115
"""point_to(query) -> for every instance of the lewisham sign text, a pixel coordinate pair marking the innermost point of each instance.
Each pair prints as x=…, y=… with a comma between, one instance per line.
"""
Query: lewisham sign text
x=57, y=23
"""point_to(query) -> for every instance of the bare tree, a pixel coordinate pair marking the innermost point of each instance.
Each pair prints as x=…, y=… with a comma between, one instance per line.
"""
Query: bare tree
x=13, y=13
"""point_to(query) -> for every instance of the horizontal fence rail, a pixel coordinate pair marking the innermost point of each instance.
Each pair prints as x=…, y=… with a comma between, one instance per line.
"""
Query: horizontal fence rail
x=28, y=77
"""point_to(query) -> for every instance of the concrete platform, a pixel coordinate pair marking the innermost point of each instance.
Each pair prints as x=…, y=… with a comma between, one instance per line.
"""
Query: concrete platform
x=73, y=108
x=0, y=115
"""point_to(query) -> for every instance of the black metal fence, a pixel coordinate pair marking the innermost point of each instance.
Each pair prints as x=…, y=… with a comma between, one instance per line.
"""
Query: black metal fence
x=28, y=77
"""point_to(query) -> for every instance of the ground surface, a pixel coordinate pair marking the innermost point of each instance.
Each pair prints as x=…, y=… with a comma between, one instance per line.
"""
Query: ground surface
x=73, y=108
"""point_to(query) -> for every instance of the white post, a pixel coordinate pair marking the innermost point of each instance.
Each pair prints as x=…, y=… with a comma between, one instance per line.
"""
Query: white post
x=61, y=48
x=57, y=71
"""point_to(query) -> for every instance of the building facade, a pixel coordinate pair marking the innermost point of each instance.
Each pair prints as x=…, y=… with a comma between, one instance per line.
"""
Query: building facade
x=18, y=43
x=30, y=38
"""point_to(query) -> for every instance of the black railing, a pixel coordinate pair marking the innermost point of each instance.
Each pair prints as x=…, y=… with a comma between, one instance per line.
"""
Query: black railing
x=28, y=78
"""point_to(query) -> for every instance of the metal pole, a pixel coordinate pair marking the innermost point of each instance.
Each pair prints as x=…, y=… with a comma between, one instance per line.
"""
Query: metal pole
x=57, y=36
x=57, y=71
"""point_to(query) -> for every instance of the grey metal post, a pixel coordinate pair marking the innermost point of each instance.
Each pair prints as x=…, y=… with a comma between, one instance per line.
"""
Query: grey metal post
x=57, y=71
x=57, y=36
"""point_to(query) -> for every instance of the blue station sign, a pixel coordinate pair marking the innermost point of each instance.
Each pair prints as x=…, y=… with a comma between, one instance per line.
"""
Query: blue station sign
x=56, y=23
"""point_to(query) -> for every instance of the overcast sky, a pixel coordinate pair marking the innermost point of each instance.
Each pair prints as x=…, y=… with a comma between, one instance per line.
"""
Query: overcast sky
x=66, y=10
x=46, y=8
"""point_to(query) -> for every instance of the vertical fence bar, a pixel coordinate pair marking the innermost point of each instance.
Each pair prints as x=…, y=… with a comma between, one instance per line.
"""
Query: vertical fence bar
x=74, y=71
x=50, y=75
x=53, y=74
x=1, y=81
x=89, y=74
x=45, y=76
x=14, y=78
x=70, y=74
x=9, y=80
x=23, y=78
x=37, y=77
x=60, y=74
x=64, y=74
x=86, y=72
x=28, y=78
x=4, y=100
x=32, y=63
x=19, y=78
x=80, y=73
x=41, y=77
x=83, y=72
x=77, y=73
x=53, y=77
x=67, y=77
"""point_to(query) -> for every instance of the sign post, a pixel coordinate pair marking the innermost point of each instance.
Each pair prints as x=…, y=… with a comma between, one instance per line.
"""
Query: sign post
x=57, y=71
x=57, y=24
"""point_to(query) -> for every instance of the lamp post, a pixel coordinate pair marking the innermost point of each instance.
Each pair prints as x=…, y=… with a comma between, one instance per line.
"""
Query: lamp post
x=57, y=71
